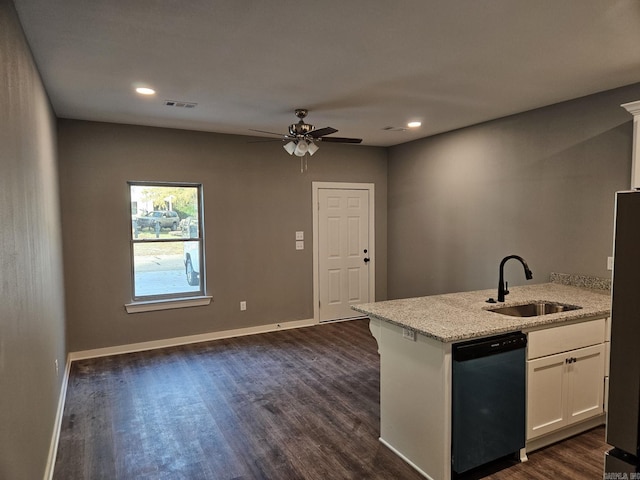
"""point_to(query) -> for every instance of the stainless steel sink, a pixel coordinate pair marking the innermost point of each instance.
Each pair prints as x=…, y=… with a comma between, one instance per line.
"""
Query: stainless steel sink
x=534, y=309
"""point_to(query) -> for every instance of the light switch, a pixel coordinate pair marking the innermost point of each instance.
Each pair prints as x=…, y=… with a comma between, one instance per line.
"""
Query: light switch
x=299, y=245
x=299, y=235
x=609, y=263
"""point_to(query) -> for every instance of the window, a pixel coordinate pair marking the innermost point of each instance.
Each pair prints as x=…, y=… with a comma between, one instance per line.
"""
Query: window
x=166, y=240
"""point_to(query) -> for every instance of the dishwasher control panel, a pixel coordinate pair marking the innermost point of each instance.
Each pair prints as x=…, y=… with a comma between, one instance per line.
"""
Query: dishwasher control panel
x=482, y=347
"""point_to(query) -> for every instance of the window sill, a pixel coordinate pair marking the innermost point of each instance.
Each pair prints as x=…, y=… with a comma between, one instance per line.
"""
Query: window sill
x=152, y=305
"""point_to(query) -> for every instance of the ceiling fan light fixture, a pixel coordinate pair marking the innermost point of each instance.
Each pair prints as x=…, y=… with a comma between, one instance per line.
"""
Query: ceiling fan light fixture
x=312, y=148
x=301, y=148
x=303, y=138
x=290, y=147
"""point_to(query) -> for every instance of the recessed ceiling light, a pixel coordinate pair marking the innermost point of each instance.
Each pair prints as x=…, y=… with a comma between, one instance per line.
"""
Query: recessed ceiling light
x=414, y=124
x=145, y=91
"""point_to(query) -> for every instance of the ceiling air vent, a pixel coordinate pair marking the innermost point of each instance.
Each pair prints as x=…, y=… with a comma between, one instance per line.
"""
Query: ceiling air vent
x=395, y=129
x=176, y=103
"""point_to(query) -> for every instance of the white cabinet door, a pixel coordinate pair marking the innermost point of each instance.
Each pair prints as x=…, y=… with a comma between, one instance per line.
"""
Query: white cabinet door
x=546, y=395
x=586, y=383
x=563, y=389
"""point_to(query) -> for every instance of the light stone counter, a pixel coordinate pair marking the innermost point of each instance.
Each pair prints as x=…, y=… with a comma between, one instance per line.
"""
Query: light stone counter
x=416, y=372
x=459, y=316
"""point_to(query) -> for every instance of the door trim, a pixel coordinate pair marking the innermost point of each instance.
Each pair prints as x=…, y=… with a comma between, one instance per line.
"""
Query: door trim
x=315, y=187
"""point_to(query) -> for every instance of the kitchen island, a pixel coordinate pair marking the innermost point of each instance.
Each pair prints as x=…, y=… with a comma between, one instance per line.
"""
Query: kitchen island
x=415, y=338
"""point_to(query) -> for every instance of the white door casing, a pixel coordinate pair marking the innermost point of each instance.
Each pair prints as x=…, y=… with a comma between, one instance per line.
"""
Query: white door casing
x=343, y=247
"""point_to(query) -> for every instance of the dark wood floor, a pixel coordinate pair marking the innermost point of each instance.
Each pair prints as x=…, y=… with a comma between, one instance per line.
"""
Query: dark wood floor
x=295, y=404
x=579, y=457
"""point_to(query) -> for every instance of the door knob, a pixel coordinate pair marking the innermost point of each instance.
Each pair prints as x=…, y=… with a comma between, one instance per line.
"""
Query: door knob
x=366, y=259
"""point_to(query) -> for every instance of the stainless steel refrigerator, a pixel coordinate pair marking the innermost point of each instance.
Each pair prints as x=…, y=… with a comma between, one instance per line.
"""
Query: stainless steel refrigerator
x=623, y=417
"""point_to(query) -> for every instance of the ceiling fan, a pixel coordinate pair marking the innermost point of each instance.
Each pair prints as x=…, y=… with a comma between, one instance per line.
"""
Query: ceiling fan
x=302, y=137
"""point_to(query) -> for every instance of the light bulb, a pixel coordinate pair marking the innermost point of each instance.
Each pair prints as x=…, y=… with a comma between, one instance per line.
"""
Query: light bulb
x=145, y=91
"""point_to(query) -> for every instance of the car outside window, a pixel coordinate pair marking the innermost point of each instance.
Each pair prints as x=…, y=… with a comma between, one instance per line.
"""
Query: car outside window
x=166, y=240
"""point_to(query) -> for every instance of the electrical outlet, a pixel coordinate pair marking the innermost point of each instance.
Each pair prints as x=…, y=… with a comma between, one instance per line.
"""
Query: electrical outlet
x=609, y=263
x=243, y=305
x=299, y=235
x=299, y=245
x=408, y=334
x=56, y=363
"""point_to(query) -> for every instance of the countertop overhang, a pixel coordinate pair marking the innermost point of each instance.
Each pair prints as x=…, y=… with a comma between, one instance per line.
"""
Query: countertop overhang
x=454, y=317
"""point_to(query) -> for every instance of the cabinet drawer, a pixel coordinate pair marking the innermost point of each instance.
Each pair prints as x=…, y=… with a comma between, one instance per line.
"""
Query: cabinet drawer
x=567, y=337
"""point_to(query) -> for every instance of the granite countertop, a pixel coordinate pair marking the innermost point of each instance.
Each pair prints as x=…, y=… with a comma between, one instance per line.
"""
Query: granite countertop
x=458, y=316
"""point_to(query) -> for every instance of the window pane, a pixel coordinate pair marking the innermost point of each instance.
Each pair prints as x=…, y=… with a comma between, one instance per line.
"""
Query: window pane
x=159, y=268
x=162, y=211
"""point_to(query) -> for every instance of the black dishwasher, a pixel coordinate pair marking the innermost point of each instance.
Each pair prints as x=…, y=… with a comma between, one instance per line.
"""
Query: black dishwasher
x=488, y=400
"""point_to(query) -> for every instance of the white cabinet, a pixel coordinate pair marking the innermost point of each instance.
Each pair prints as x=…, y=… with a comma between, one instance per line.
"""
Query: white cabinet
x=565, y=376
x=564, y=389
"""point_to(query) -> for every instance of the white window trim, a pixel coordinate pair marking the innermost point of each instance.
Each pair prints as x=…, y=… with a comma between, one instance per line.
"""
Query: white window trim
x=154, y=305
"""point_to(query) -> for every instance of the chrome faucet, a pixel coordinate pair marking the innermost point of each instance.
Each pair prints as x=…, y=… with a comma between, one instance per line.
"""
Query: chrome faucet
x=502, y=290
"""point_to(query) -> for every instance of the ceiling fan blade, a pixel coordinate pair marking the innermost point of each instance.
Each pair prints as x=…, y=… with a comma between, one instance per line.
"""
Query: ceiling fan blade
x=320, y=132
x=341, y=140
x=270, y=133
x=266, y=140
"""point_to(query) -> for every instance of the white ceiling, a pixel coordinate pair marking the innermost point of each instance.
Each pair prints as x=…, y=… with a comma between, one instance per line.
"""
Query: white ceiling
x=357, y=65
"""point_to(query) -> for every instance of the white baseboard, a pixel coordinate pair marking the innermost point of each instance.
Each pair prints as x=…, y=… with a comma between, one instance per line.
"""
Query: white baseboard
x=55, y=436
x=172, y=342
x=411, y=464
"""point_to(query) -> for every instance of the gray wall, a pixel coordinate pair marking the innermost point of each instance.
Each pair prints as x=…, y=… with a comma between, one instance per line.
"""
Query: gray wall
x=255, y=199
x=32, y=327
x=540, y=184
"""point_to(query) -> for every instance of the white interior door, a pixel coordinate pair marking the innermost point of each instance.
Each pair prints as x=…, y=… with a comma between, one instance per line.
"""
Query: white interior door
x=344, y=256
